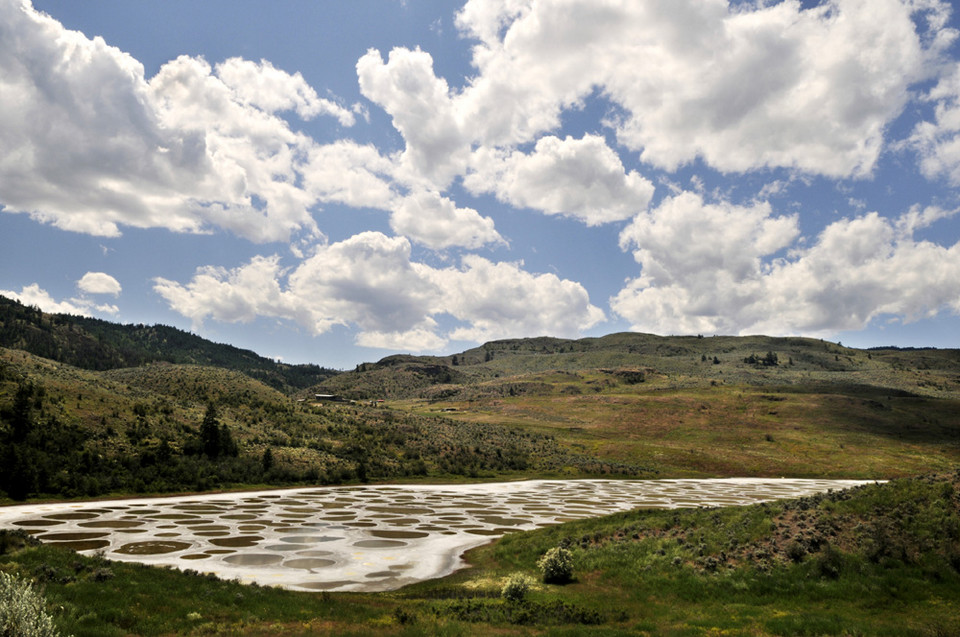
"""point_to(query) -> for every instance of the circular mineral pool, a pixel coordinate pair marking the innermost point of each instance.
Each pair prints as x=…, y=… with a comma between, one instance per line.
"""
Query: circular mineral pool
x=379, y=544
x=72, y=537
x=309, y=563
x=325, y=586
x=152, y=548
x=245, y=541
x=253, y=559
x=75, y=515
x=309, y=539
x=398, y=535
x=39, y=522
x=111, y=524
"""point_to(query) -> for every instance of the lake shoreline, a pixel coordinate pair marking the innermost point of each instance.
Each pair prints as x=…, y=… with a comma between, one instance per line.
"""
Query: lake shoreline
x=361, y=537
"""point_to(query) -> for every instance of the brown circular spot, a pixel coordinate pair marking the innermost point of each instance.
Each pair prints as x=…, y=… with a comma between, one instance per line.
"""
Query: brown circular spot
x=309, y=563
x=152, y=548
x=237, y=542
x=253, y=559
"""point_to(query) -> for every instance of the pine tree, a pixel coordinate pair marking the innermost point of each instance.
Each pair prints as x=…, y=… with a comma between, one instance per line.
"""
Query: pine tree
x=210, y=437
x=21, y=422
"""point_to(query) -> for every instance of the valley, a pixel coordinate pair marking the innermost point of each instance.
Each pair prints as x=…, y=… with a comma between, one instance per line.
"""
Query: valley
x=90, y=410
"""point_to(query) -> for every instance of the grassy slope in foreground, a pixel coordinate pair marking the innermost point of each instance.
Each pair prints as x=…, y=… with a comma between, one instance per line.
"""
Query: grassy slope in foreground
x=877, y=560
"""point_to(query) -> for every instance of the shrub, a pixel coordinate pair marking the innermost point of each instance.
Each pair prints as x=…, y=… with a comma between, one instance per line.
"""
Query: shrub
x=796, y=551
x=829, y=563
x=22, y=611
x=556, y=566
x=515, y=588
x=404, y=617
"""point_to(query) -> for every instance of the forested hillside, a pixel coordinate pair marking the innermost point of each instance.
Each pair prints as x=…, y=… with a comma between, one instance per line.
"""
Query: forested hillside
x=70, y=432
x=95, y=344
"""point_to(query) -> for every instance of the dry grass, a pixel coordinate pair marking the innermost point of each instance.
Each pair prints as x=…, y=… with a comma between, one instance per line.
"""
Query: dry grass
x=747, y=431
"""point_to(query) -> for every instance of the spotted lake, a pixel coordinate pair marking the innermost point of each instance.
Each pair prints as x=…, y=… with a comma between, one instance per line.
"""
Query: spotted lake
x=365, y=538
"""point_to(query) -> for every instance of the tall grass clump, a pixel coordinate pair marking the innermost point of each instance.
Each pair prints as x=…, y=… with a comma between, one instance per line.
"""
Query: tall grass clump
x=22, y=610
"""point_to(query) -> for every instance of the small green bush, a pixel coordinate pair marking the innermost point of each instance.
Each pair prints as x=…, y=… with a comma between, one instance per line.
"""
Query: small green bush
x=556, y=566
x=796, y=551
x=516, y=587
x=22, y=612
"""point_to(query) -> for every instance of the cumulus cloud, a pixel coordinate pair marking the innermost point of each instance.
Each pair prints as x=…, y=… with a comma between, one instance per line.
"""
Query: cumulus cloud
x=90, y=145
x=500, y=300
x=436, y=222
x=238, y=295
x=99, y=283
x=859, y=269
x=720, y=268
x=579, y=178
x=367, y=280
x=740, y=85
x=415, y=340
x=422, y=108
x=349, y=173
x=272, y=90
x=938, y=141
x=370, y=282
x=34, y=295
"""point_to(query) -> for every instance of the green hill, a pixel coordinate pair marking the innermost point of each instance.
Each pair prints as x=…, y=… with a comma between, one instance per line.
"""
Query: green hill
x=94, y=344
x=696, y=406
x=662, y=361
x=71, y=432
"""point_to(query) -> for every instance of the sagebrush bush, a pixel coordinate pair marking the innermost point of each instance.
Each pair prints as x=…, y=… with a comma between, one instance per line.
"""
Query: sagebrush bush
x=22, y=612
x=556, y=566
x=516, y=587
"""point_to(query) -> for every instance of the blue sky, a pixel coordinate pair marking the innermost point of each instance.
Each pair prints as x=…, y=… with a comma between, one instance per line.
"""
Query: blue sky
x=335, y=182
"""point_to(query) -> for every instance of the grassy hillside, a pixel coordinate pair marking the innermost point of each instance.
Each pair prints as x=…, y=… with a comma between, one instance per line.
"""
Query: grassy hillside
x=69, y=432
x=672, y=362
x=627, y=404
x=692, y=406
x=877, y=560
x=815, y=430
x=99, y=345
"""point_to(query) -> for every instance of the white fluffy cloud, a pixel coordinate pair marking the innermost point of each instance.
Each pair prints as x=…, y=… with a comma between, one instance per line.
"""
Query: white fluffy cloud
x=370, y=282
x=938, y=142
x=742, y=86
x=349, y=173
x=422, y=109
x=436, y=222
x=579, y=178
x=34, y=295
x=238, y=295
x=272, y=90
x=99, y=283
x=720, y=268
x=500, y=300
x=90, y=145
